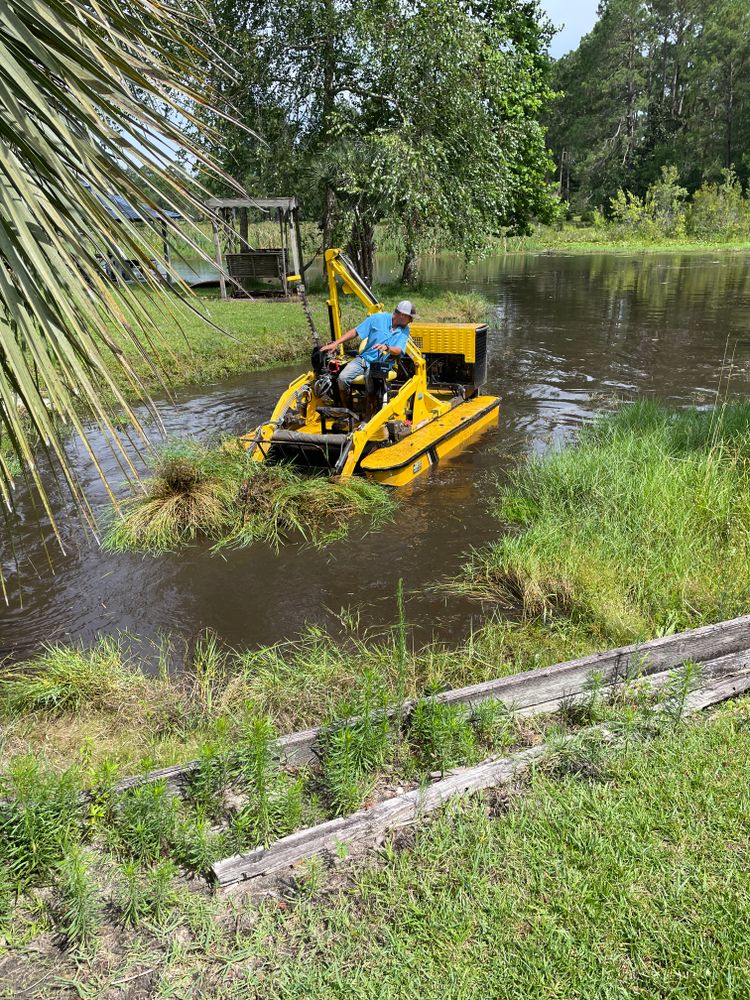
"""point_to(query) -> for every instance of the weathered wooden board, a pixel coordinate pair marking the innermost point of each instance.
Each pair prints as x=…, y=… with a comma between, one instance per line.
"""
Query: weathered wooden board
x=543, y=689
x=368, y=824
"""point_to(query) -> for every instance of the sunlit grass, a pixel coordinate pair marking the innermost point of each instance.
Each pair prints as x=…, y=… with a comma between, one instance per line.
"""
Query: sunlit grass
x=220, y=495
x=641, y=529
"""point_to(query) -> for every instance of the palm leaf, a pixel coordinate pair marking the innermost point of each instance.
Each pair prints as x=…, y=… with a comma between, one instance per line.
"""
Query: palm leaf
x=88, y=90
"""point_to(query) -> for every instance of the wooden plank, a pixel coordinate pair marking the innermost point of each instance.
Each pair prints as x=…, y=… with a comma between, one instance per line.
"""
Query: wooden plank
x=722, y=689
x=536, y=686
x=298, y=748
x=368, y=824
x=268, y=203
x=541, y=690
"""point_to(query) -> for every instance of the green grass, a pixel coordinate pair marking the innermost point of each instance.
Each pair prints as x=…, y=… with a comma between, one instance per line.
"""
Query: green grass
x=222, y=496
x=625, y=882
x=639, y=530
x=593, y=239
x=192, y=349
x=615, y=870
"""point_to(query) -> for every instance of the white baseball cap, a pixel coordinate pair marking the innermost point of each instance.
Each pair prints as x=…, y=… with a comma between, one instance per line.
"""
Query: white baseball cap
x=407, y=308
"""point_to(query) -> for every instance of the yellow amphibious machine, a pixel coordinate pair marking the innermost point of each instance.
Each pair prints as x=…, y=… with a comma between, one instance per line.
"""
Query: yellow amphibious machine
x=426, y=408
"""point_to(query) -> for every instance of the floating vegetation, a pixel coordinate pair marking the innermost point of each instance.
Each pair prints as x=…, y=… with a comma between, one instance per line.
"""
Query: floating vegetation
x=222, y=496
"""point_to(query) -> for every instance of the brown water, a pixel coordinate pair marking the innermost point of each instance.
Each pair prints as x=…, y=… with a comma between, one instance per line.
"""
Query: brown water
x=570, y=333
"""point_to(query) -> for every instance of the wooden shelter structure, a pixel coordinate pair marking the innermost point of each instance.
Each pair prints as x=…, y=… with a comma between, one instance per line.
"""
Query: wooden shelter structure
x=256, y=270
x=122, y=211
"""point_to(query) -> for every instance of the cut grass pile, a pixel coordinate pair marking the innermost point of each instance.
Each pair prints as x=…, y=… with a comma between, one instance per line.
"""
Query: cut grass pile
x=641, y=529
x=222, y=496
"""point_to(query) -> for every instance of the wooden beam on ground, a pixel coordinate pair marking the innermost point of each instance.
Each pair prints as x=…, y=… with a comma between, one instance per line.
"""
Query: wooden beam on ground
x=725, y=645
x=367, y=825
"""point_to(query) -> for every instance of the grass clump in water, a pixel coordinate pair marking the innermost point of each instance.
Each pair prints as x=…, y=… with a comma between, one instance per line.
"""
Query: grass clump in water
x=641, y=529
x=222, y=496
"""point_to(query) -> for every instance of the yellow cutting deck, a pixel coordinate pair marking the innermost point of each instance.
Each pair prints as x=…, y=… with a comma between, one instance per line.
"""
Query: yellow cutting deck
x=399, y=463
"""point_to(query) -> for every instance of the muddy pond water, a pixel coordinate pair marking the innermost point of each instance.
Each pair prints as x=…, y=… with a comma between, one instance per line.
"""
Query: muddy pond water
x=570, y=333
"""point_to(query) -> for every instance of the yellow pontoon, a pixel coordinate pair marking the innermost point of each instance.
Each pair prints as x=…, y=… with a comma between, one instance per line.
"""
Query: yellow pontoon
x=427, y=407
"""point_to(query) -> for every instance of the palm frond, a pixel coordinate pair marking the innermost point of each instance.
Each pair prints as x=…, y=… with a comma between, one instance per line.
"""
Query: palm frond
x=88, y=91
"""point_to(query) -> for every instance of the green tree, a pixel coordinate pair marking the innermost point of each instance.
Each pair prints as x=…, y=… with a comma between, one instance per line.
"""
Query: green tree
x=654, y=83
x=424, y=115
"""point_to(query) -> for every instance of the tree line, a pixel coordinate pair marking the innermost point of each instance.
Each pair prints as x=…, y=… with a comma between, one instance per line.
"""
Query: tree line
x=654, y=84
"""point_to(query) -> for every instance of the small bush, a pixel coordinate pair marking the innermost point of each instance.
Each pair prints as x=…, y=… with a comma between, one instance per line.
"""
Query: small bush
x=347, y=778
x=130, y=895
x=441, y=735
x=77, y=903
x=493, y=724
x=142, y=895
x=720, y=211
x=145, y=822
x=275, y=801
x=40, y=820
x=209, y=781
x=196, y=845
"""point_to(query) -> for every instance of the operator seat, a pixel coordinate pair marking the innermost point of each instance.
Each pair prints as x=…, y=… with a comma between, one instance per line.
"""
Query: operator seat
x=360, y=379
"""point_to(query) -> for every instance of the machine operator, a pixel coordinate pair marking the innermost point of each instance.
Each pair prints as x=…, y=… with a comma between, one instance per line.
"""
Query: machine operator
x=387, y=335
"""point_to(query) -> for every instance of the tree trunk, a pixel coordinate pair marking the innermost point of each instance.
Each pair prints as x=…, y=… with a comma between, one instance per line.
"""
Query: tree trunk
x=410, y=273
x=361, y=249
x=729, y=118
x=329, y=216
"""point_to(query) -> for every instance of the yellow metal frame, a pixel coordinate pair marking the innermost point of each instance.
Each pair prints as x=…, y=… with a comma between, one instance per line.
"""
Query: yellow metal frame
x=414, y=395
x=336, y=270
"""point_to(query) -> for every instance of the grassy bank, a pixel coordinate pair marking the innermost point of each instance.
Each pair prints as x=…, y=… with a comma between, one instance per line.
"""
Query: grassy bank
x=600, y=239
x=626, y=880
x=192, y=349
x=639, y=530
x=96, y=884
x=613, y=870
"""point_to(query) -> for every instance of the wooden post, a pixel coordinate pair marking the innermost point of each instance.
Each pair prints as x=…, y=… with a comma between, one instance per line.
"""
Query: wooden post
x=167, y=257
x=244, y=230
x=217, y=255
x=282, y=228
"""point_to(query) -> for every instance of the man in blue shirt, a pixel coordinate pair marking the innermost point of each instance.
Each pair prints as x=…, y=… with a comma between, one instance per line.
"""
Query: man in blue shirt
x=387, y=335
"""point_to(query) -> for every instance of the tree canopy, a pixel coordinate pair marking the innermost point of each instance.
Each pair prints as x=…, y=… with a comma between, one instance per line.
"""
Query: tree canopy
x=655, y=83
x=422, y=115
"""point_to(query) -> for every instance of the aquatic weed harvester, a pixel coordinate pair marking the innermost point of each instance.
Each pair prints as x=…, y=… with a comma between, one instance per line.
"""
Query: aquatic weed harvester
x=427, y=407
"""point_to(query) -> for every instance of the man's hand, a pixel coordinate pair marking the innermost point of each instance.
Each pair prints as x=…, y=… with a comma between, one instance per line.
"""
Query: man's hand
x=329, y=347
x=381, y=347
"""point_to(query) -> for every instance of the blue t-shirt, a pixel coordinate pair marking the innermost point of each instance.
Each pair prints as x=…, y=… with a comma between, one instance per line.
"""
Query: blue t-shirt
x=379, y=329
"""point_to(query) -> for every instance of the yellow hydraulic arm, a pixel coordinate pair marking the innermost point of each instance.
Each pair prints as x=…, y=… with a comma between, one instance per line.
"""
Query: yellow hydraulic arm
x=340, y=268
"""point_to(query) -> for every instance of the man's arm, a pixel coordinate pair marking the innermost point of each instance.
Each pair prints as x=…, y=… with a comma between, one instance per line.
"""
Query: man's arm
x=333, y=344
